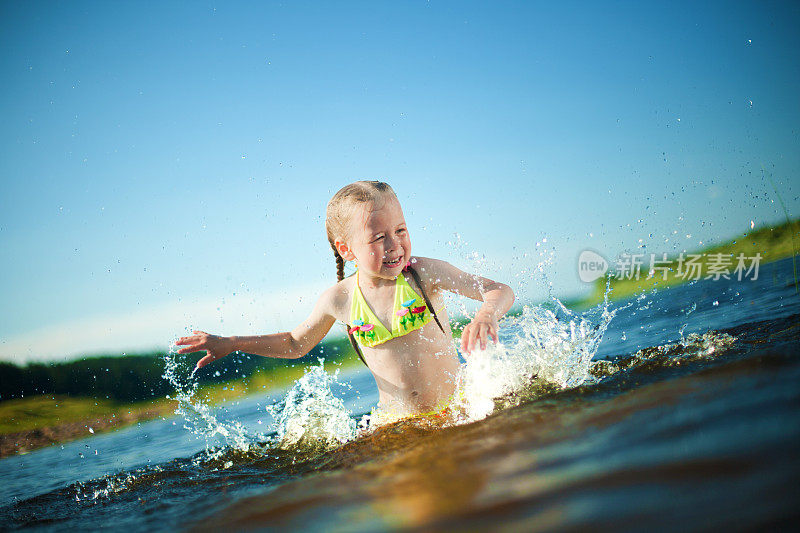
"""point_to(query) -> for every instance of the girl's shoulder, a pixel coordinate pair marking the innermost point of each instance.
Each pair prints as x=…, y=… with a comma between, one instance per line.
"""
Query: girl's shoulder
x=429, y=270
x=337, y=297
x=420, y=263
x=440, y=275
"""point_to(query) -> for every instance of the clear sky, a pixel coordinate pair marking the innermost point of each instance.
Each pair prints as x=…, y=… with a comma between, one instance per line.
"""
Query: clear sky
x=166, y=165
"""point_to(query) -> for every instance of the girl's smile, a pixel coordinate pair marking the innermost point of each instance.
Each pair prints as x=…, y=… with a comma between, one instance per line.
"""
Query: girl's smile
x=393, y=263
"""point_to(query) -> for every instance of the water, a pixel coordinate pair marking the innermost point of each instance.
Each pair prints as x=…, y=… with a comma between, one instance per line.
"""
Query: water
x=677, y=410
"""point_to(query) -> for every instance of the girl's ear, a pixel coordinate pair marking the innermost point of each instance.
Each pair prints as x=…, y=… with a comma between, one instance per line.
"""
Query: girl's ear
x=344, y=250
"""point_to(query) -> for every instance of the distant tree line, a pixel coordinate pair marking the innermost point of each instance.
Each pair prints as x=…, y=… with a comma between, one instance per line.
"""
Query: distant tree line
x=132, y=378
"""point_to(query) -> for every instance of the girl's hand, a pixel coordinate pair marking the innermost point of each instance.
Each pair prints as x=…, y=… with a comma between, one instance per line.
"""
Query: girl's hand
x=478, y=332
x=216, y=346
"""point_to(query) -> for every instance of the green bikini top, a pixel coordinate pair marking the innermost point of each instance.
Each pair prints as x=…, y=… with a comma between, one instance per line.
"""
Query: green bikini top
x=409, y=313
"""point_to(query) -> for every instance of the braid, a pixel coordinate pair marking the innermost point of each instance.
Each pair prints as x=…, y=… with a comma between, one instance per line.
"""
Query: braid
x=340, y=277
x=339, y=263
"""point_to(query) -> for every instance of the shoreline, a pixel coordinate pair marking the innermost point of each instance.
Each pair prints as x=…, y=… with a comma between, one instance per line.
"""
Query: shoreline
x=28, y=440
x=115, y=417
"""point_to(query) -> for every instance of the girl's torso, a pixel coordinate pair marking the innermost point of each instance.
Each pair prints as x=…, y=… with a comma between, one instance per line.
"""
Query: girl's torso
x=415, y=371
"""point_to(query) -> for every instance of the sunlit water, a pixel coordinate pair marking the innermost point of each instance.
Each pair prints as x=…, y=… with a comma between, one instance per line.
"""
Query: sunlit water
x=676, y=409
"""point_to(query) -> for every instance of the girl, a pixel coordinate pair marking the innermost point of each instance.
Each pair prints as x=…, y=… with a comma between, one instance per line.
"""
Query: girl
x=392, y=307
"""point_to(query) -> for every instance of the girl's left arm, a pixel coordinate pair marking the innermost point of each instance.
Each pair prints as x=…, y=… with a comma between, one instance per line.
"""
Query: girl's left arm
x=287, y=345
x=497, y=299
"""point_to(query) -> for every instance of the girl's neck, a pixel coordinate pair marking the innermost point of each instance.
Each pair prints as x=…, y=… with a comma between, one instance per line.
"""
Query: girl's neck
x=366, y=281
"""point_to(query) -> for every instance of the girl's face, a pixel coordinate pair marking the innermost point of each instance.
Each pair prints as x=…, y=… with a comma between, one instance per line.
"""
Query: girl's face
x=379, y=240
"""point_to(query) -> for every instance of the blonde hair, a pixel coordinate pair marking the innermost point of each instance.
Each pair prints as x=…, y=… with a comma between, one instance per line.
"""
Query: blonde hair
x=342, y=207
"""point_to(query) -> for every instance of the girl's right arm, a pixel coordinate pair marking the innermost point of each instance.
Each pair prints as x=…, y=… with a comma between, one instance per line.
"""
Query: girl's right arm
x=288, y=345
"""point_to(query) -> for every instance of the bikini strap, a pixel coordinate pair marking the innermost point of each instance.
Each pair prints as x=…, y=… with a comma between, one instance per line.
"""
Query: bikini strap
x=355, y=344
x=424, y=296
x=352, y=338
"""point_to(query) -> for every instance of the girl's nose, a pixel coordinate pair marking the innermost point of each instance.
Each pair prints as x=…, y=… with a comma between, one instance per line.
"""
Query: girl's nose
x=389, y=244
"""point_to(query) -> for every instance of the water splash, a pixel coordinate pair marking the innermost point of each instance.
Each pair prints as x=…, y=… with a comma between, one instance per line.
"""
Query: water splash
x=197, y=414
x=111, y=484
x=693, y=347
x=309, y=419
x=691, y=309
x=310, y=416
x=556, y=351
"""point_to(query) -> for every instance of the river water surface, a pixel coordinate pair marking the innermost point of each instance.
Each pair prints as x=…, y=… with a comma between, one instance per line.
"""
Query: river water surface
x=675, y=410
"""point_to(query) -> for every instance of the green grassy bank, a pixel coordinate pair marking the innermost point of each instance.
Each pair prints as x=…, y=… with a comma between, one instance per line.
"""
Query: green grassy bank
x=772, y=243
x=32, y=422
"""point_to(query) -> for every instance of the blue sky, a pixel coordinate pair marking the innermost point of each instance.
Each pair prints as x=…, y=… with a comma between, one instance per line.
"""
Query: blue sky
x=167, y=166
